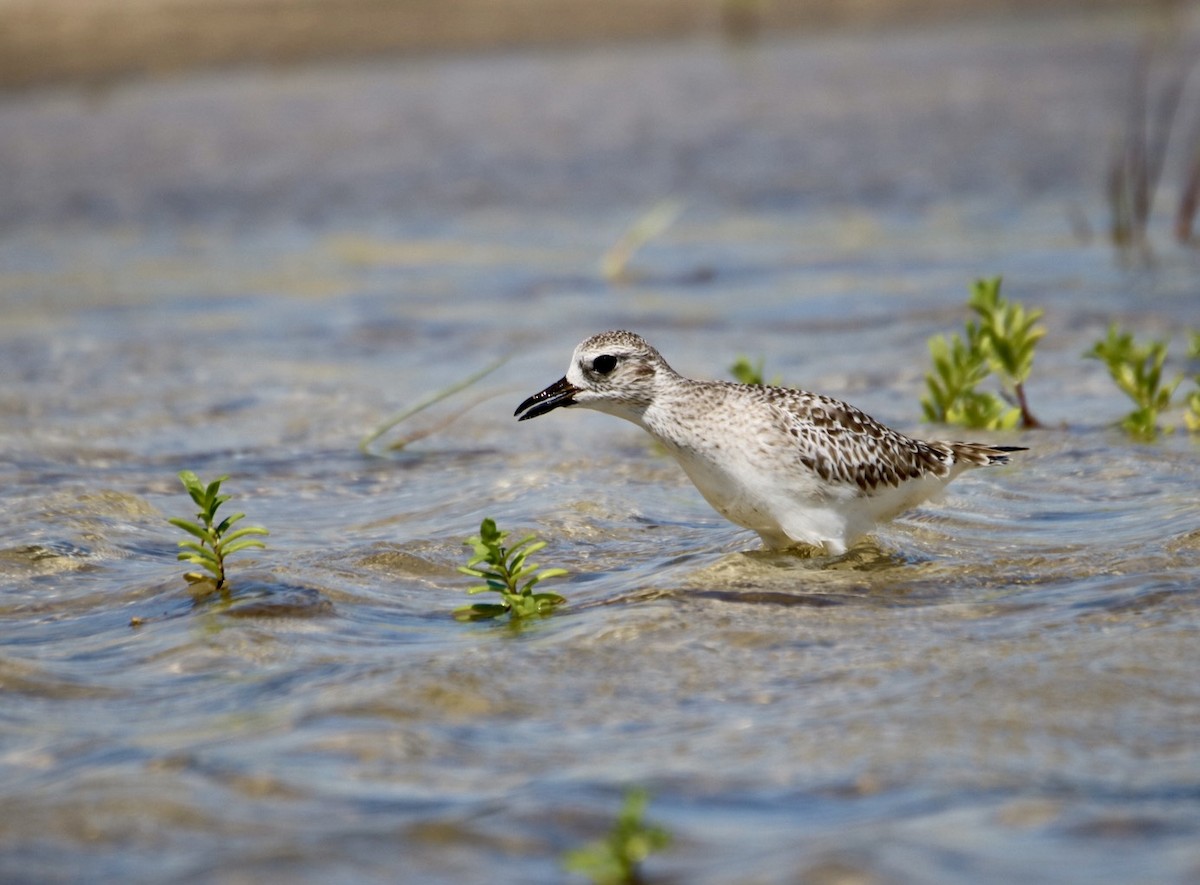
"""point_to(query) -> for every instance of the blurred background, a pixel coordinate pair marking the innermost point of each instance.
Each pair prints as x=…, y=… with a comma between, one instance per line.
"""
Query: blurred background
x=240, y=236
x=90, y=41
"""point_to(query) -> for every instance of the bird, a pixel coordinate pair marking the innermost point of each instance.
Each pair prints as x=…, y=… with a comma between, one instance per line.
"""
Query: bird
x=800, y=469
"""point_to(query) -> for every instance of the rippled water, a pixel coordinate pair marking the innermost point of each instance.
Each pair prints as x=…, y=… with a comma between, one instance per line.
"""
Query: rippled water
x=246, y=273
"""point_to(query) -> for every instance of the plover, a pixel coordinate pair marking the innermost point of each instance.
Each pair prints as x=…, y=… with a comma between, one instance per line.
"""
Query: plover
x=799, y=468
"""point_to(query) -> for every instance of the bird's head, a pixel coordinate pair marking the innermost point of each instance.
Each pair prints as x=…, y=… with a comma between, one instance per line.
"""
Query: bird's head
x=614, y=372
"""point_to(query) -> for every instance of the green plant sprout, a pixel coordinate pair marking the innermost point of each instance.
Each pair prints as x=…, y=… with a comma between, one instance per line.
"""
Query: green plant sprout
x=1001, y=342
x=215, y=543
x=507, y=571
x=1137, y=371
x=1191, y=418
x=616, y=860
x=746, y=372
x=1009, y=334
x=958, y=367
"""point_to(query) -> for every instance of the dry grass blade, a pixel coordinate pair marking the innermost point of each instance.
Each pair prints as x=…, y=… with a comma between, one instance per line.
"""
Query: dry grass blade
x=650, y=224
x=364, y=445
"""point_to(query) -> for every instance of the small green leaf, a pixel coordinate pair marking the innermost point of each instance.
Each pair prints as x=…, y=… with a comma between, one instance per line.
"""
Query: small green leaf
x=229, y=521
x=196, y=558
x=488, y=532
x=198, y=549
x=200, y=561
x=190, y=527
x=480, y=611
x=230, y=549
x=530, y=543
x=242, y=532
x=214, y=487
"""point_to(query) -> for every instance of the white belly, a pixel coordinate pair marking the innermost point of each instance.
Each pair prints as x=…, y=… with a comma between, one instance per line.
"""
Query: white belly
x=794, y=506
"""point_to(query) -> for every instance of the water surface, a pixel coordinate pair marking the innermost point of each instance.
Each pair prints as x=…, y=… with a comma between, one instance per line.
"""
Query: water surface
x=245, y=273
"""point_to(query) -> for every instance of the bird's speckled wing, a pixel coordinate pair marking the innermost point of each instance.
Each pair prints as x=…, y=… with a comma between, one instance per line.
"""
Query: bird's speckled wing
x=843, y=444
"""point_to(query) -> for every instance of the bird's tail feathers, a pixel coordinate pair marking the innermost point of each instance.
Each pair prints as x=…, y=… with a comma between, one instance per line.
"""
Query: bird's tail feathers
x=981, y=455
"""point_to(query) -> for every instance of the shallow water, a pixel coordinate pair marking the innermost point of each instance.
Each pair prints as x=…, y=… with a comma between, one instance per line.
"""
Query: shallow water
x=246, y=273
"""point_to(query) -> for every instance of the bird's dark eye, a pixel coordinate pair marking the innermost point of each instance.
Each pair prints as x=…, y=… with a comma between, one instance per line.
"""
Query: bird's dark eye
x=604, y=364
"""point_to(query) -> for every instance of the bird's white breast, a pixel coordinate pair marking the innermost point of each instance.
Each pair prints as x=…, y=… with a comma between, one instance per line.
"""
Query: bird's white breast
x=747, y=467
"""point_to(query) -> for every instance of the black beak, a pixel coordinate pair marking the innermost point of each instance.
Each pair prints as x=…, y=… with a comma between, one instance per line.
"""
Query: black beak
x=560, y=393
